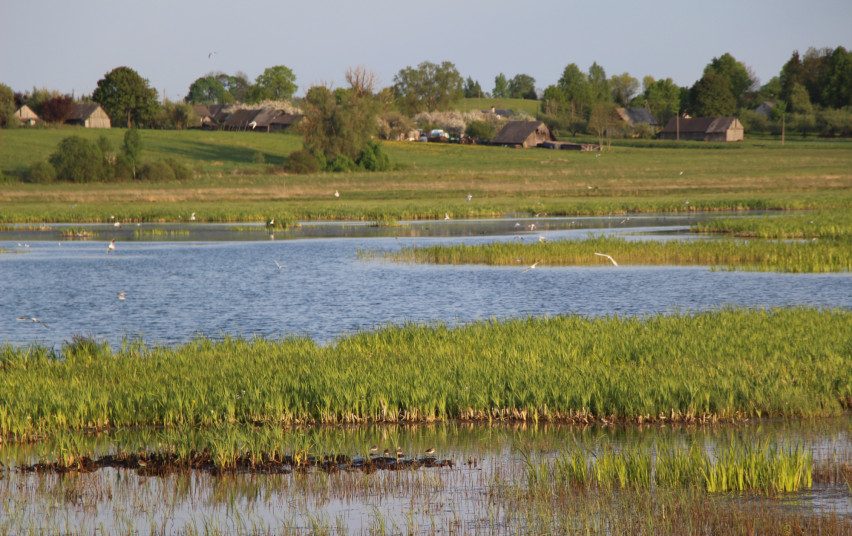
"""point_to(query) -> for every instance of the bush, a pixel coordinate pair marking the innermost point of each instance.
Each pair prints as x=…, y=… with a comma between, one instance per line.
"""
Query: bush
x=157, y=171
x=342, y=163
x=372, y=158
x=180, y=170
x=41, y=172
x=123, y=168
x=832, y=122
x=480, y=130
x=78, y=160
x=302, y=162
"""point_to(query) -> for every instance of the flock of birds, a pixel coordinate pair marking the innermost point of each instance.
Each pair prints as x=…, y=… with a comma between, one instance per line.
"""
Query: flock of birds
x=400, y=454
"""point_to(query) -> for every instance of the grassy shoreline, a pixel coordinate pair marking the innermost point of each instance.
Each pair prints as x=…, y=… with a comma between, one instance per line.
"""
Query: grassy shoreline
x=724, y=365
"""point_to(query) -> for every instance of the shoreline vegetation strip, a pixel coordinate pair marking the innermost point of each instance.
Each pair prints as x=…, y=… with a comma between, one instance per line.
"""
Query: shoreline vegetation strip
x=818, y=256
x=726, y=365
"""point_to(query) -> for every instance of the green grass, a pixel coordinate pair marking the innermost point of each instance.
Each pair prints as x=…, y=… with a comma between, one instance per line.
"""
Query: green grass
x=527, y=106
x=820, y=225
x=729, y=365
x=755, y=255
x=430, y=179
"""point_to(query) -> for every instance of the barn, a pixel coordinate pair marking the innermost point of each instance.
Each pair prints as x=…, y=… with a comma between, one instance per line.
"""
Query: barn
x=26, y=116
x=523, y=134
x=89, y=115
x=703, y=129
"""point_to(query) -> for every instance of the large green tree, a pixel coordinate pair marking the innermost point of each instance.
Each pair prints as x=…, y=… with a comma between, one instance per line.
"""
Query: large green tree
x=501, y=87
x=661, y=97
x=836, y=80
x=740, y=79
x=599, y=90
x=126, y=97
x=522, y=86
x=574, y=85
x=208, y=90
x=274, y=83
x=428, y=87
x=7, y=106
x=472, y=89
x=712, y=96
x=623, y=88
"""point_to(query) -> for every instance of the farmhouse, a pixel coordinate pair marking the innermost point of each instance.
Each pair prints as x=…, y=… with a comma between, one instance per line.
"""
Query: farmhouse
x=89, y=115
x=27, y=116
x=636, y=116
x=260, y=120
x=703, y=129
x=523, y=134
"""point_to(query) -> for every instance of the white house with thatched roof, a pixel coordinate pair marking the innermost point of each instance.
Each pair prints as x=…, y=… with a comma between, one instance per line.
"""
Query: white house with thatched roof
x=89, y=115
x=26, y=116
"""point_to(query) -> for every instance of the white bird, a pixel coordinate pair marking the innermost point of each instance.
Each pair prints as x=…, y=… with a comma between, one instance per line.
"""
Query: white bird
x=192, y=217
x=111, y=246
x=531, y=267
x=532, y=227
x=32, y=319
x=121, y=295
x=542, y=239
x=446, y=215
x=270, y=222
x=607, y=256
x=117, y=224
x=681, y=173
x=279, y=265
x=253, y=124
x=469, y=198
x=336, y=193
x=517, y=225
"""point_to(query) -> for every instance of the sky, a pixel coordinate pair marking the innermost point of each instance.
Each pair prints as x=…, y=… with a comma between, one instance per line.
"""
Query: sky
x=69, y=46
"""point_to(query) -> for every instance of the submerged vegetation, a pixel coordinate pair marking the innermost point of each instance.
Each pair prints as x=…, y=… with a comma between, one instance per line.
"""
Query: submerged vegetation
x=780, y=256
x=723, y=365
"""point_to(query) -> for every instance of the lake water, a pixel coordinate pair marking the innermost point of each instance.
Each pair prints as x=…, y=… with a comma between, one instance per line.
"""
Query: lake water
x=199, y=279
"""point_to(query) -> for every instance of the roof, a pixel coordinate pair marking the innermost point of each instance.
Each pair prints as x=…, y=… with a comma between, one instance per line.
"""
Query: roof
x=637, y=116
x=83, y=110
x=516, y=132
x=705, y=125
x=25, y=112
x=201, y=110
x=240, y=118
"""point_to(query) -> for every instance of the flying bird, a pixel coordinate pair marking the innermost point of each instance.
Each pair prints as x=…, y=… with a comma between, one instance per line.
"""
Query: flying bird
x=279, y=265
x=531, y=267
x=32, y=319
x=211, y=54
x=111, y=246
x=608, y=257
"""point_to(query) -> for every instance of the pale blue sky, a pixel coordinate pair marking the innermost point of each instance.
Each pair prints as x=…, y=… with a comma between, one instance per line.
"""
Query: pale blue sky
x=70, y=45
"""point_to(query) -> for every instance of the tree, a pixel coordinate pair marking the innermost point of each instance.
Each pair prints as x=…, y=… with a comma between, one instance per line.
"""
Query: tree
x=79, y=160
x=472, y=89
x=501, y=87
x=574, y=85
x=57, y=109
x=131, y=149
x=712, y=96
x=126, y=97
x=275, y=83
x=661, y=97
x=522, y=86
x=237, y=85
x=601, y=119
x=599, y=90
x=791, y=74
x=800, y=101
x=7, y=106
x=623, y=88
x=208, y=90
x=428, y=87
x=740, y=79
x=836, y=81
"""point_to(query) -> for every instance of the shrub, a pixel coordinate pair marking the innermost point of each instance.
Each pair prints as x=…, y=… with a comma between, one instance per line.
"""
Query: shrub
x=372, y=158
x=302, y=162
x=41, y=172
x=156, y=171
x=78, y=160
x=122, y=170
x=394, y=126
x=180, y=170
x=342, y=163
x=480, y=130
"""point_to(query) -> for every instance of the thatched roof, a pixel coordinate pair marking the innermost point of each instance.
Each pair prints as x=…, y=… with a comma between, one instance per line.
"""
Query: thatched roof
x=202, y=111
x=84, y=110
x=517, y=132
x=240, y=118
x=636, y=116
x=705, y=125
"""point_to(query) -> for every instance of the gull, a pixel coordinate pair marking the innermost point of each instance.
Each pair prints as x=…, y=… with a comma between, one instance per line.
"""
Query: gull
x=517, y=225
x=607, y=256
x=532, y=227
x=531, y=267
x=211, y=54
x=253, y=124
x=681, y=173
x=117, y=224
x=446, y=215
x=279, y=265
x=469, y=198
x=336, y=193
x=111, y=246
x=542, y=239
x=32, y=319
x=121, y=295
x=192, y=217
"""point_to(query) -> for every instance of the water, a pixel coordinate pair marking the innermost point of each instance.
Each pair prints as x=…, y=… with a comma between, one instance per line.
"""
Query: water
x=324, y=289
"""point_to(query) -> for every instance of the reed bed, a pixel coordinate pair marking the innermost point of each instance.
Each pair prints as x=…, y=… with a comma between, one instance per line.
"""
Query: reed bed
x=739, y=467
x=822, y=224
x=722, y=365
x=753, y=255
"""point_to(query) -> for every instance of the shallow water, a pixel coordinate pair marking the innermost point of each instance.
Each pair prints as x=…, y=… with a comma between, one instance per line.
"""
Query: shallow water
x=324, y=289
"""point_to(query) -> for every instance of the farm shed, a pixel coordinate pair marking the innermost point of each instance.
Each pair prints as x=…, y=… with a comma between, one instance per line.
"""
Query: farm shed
x=523, y=134
x=27, y=116
x=272, y=120
x=89, y=115
x=240, y=120
x=205, y=116
x=703, y=129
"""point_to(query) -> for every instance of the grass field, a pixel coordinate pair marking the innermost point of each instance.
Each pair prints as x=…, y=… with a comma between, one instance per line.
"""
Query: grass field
x=727, y=365
x=430, y=180
x=527, y=106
